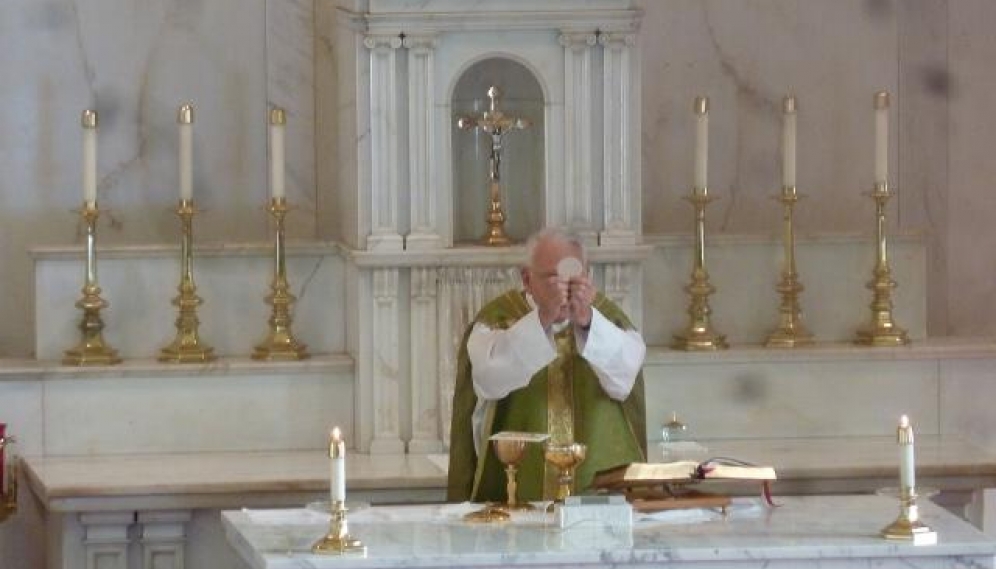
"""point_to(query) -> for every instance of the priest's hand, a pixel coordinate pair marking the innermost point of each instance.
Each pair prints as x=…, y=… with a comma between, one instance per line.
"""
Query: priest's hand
x=580, y=295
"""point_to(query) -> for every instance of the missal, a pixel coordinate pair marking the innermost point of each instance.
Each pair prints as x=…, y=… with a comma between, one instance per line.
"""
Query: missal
x=637, y=474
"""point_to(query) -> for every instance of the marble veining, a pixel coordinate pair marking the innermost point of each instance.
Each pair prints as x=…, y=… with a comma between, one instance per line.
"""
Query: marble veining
x=836, y=530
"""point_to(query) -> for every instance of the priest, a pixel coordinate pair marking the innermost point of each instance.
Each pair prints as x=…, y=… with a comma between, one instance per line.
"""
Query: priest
x=556, y=357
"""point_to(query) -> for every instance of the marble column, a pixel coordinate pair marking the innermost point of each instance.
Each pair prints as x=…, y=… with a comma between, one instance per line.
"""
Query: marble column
x=384, y=165
x=578, y=132
x=385, y=365
x=423, y=145
x=105, y=539
x=426, y=435
x=621, y=162
x=163, y=538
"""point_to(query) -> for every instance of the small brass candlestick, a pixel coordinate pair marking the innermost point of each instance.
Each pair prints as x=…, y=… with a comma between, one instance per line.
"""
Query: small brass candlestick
x=791, y=332
x=8, y=496
x=908, y=525
x=92, y=349
x=699, y=335
x=497, y=125
x=882, y=330
x=280, y=343
x=338, y=541
x=187, y=346
x=566, y=458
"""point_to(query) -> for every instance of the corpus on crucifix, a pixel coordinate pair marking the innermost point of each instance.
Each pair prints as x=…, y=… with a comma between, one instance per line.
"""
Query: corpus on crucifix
x=496, y=125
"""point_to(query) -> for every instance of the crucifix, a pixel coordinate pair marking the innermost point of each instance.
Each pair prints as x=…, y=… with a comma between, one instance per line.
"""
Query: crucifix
x=497, y=125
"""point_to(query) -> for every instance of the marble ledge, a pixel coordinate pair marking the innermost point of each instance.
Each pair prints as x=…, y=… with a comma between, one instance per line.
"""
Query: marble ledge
x=801, y=238
x=434, y=17
x=483, y=256
x=940, y=348
x=61, y=478
x=28, y=369
x=157, y=250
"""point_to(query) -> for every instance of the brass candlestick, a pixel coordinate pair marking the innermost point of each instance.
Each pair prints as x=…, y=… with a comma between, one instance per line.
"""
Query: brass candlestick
x=699, y=335
x=882, y=330
x=187, y=346
x=791, y=332
x=92, y=349
x=8, y=496
x=280, y=343
x=497, y=125
x=338, y=541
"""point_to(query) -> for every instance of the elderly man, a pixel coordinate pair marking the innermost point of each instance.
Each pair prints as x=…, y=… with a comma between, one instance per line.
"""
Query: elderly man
x=556, y=357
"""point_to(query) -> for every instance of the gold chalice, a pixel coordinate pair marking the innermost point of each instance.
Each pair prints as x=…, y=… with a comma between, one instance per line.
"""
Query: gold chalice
x=511, y=452
x=565, y=457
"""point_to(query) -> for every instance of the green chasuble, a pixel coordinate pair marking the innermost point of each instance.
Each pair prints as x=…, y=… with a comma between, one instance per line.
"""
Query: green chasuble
x=564, y=399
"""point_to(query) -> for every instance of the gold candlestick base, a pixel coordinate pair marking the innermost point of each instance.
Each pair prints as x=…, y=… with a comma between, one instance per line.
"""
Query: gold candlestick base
x=699, y=334
x=280, y=343
x=495, y=236
x=908, y=526
x=882, y=331
x=187, y=347
x=92, y=349
x=338, y=541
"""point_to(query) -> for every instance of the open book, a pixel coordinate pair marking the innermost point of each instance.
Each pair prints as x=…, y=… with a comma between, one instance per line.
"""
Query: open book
x=656, y=473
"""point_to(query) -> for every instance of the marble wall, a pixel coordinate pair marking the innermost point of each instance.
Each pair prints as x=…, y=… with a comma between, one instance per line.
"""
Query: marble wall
x=135, y=62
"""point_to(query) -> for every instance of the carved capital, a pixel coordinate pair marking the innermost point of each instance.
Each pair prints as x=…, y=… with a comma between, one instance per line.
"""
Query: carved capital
x=421, y=43
x=423, y=283
x=379, y=41
x=617, y=40
x=577, y=41
x=385, y=285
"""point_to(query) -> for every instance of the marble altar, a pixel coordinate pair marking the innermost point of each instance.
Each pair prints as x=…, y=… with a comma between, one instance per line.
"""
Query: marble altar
x=835, y=531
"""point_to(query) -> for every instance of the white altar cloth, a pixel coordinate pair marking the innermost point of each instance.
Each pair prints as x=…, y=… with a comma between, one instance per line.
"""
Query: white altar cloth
x=824, y=531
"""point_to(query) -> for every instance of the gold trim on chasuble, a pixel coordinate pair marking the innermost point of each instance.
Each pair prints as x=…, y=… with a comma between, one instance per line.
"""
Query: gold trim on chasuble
x=560, y=405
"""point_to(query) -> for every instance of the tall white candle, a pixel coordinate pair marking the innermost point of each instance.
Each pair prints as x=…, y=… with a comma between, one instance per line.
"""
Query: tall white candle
x=185, y=118
x=337, y=467
x=89, y=123
x=882, y=137
x=277, y=122
x=701, y=142
x=907, y=465
x=788, y=141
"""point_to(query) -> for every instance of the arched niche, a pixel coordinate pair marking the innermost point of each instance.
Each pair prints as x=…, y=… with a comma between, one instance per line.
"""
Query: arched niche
x=522, y=162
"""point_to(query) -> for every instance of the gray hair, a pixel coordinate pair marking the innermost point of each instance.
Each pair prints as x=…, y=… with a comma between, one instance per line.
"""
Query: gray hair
x=555, y=234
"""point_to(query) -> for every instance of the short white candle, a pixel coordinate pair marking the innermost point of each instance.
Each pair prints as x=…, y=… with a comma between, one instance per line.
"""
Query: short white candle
x=337, y=467
x=882, y=137
x=185, y=118
x=89, y=123
x=907, y=468
x=788, y=141
x=701, y=142
x=277, y=121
